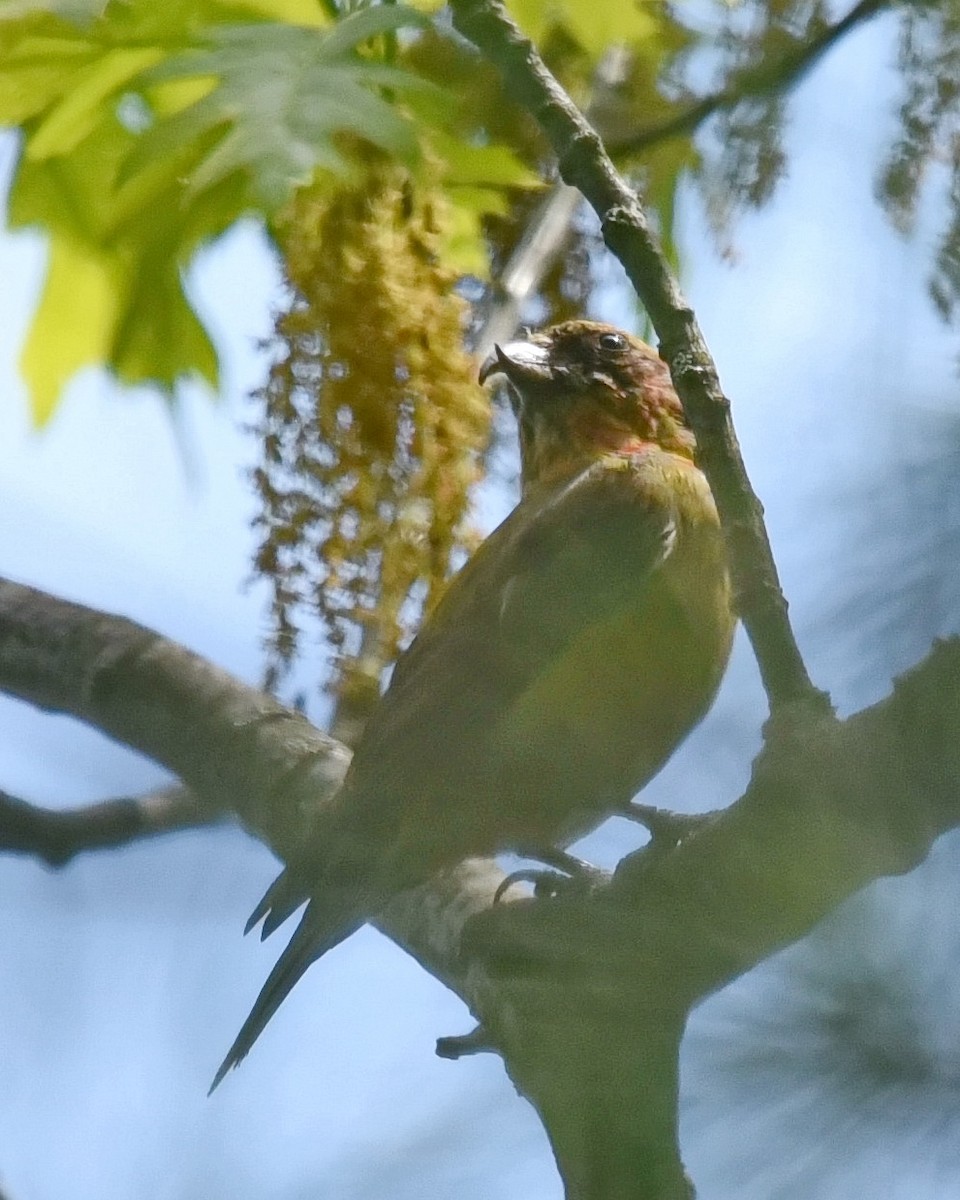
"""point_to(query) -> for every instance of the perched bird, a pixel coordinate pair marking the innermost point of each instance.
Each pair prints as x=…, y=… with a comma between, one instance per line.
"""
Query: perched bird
x=562, y=667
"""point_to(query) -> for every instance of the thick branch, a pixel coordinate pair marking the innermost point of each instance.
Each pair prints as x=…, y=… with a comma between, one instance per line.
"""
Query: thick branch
x=584, y=163
x=591, y=992
x=586, y=998
x=233, y=746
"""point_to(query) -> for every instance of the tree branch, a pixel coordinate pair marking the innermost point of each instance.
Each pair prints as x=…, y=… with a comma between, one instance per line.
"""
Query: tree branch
x=584, y=163
x=229, y=743
x=548, y=229
x=58, y=835
x=234, y=747
x=781, y=76
x=586, y=995
x=593, y=992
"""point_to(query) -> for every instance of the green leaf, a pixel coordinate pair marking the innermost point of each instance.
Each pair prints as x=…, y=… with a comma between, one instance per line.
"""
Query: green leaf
x=595, y=24
x=475, y=179
x=488, y=165
x=282, y=95
x=99, y=308
x=158, y=336
x=38, y=64
x=365, y=23
x=465, y=248
x=69, y=121
x=81, y=12
x=237, y=115
x=73, y=326
x=113, y=294
x=297, y=12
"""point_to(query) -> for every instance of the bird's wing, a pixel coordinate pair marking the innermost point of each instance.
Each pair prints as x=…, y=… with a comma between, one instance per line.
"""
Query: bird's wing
x=564, y=559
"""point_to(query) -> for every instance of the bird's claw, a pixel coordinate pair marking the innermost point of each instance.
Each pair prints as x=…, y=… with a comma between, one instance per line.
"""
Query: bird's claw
x=565, y=873
x=544, y=882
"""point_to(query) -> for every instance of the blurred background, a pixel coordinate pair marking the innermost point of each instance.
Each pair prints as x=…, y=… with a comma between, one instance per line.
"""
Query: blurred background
x=832, y=1070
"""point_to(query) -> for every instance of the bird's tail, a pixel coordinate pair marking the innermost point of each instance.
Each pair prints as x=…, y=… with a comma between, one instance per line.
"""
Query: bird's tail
x=280, y=901
x=321, y=928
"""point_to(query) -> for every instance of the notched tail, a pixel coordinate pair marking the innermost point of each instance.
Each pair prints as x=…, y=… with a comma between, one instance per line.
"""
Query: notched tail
x=280, y=901
x=319, y=931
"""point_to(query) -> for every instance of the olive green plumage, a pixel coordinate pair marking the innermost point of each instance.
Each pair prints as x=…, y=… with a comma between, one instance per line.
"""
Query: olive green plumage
x=560, y=670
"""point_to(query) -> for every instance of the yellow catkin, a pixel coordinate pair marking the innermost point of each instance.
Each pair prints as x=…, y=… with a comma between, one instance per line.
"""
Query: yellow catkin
x=373, y=428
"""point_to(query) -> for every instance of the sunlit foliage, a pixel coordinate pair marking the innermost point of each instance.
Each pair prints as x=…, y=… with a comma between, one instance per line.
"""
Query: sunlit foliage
x=392, y=171
x=930, y=134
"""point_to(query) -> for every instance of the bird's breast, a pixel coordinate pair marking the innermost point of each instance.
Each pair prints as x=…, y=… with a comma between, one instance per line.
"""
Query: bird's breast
x=591, y=729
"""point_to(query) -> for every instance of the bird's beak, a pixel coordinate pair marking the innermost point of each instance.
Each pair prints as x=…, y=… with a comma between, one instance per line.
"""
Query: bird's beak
x=521, y=362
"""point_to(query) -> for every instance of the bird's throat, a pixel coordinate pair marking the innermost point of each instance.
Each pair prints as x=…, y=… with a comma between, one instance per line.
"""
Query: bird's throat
x=551, y=451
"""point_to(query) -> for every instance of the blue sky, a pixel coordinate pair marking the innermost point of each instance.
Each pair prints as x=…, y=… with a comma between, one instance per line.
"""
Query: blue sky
x=125, y=976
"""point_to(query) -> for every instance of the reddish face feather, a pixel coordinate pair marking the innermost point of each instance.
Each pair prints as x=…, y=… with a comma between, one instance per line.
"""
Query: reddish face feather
x=582, y=389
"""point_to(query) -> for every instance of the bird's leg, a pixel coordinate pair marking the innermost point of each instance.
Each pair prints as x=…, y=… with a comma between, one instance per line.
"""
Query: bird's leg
x=566, y=871
x=667, y=829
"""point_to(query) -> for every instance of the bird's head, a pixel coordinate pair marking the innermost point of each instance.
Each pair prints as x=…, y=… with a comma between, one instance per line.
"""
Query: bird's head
x=583, y=389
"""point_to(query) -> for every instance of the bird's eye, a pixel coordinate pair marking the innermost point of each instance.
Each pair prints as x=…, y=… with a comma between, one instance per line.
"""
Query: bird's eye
x=612, y=341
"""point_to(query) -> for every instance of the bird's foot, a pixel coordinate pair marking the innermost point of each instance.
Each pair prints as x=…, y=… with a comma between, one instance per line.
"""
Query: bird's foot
x=545, y=883
x=667, y=829
x=566, y=873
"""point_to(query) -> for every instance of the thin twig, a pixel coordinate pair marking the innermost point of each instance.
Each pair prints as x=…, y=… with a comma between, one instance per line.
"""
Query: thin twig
x=58, y=835
x=584, y=163
x=781, y=76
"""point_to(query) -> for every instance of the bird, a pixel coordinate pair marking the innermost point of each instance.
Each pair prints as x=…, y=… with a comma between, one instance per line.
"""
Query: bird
x=561, y=668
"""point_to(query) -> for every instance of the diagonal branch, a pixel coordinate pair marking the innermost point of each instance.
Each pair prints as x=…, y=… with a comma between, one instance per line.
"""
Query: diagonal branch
x=780, y=76
x=584, y=163
x=548, y=230
x=229, y=743
x=233, y=746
